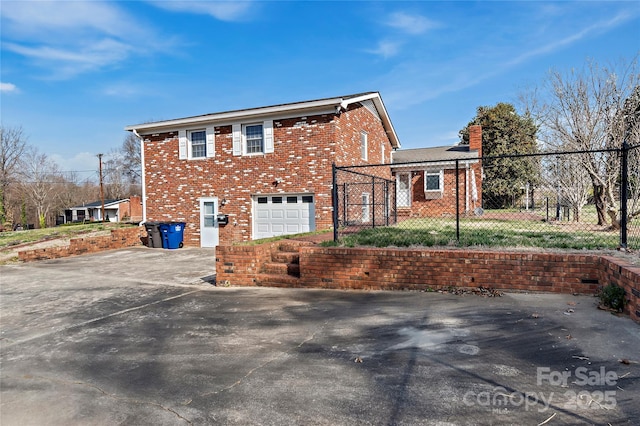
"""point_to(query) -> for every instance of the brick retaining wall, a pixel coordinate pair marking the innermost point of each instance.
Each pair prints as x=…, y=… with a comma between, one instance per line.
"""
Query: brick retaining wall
x=422, y=269
x=119, y=238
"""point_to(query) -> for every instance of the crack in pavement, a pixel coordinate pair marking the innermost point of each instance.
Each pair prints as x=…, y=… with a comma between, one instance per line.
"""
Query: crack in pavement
x=264, y=364
x=83, y=323
x=102, y=391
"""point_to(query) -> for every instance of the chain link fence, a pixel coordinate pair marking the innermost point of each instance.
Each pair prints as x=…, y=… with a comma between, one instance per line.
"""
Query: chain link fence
x=576, y=200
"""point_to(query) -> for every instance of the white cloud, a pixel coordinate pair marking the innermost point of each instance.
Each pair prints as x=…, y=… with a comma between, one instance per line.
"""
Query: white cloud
x=598, y=27
x=222, y=10
x=71, y=37
x=411, y=24
x=8, y=88
x=73, y=61
x=386, y=49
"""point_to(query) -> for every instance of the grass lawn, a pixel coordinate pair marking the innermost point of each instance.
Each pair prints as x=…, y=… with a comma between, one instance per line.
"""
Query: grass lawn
x=13, y=238
x=489, y=233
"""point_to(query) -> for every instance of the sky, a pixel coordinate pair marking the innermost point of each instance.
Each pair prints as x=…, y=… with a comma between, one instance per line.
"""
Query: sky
x=75, y=73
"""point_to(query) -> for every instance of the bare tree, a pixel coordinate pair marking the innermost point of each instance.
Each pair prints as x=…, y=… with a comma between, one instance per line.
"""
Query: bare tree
x=13, y=143
x=40, y=182
x=577, y=111
x=123, y=169
x=626, y=128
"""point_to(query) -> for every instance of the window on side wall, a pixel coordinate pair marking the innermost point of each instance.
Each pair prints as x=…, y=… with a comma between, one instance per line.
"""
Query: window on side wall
x=198, y=142
x=254, y=140
x=433, y=184
x=363, y=145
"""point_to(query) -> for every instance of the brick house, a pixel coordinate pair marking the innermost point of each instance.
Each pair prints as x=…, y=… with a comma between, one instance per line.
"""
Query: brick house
x=127, y=209
x=265, y=171
x=426, y=178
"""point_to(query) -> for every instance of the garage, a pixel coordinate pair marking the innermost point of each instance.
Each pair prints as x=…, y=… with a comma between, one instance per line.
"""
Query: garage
x=283, y=214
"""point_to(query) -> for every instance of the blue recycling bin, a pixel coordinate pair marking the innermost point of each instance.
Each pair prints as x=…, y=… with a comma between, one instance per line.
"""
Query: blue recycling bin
x=172, y=234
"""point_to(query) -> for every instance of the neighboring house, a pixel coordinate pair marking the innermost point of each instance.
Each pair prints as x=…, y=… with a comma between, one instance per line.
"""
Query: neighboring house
x=267, y=171
x=128, y=209
x=426, y=179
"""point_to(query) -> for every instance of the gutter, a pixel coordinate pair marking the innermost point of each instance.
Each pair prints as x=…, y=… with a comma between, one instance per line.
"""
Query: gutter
x=142, y=178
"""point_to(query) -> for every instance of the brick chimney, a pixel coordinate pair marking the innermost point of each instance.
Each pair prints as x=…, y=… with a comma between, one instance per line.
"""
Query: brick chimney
x=475, y=138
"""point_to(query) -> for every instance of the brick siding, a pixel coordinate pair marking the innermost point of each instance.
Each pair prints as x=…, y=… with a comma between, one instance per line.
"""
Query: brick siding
x=304, y=150
x=444, y=206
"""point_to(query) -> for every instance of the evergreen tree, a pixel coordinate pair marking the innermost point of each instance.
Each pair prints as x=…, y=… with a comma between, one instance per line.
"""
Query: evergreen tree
x=505, y=132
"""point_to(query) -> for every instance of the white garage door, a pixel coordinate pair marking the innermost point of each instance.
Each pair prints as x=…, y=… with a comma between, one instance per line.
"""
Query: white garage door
x=282, y=215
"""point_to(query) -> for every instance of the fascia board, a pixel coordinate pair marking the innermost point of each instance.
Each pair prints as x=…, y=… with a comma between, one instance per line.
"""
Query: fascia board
x=429, y=165
x=281, y=111
x=386, y=121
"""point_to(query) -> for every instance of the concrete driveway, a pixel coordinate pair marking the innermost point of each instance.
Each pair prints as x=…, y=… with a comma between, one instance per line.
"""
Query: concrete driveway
x=140, y=336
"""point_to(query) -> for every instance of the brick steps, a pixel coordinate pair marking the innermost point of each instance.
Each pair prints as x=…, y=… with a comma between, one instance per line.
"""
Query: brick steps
x=285, y=257
x=292, y=269
x=283, y=270
x=277, y=280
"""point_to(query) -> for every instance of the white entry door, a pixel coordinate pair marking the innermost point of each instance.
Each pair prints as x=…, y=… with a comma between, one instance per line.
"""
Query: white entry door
x=208, y=222
x=403, y=189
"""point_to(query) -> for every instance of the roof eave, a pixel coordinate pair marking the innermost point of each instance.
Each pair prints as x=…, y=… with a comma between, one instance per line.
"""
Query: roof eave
x=343, y=102
x=236, y=115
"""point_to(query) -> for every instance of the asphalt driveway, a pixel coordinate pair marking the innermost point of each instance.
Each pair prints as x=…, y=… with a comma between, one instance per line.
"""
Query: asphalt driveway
x=141, y=336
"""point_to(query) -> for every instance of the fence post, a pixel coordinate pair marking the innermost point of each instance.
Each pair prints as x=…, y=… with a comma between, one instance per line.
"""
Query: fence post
x=457, y=203
x=335, y=201
x=624, y=186
x=373, y=202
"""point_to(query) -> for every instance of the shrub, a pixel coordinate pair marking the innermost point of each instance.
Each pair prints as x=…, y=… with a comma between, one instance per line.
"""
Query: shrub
x=612, y=297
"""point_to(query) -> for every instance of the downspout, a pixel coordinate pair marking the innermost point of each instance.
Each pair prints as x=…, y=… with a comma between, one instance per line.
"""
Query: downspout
x=142, y=178
x=466, y=188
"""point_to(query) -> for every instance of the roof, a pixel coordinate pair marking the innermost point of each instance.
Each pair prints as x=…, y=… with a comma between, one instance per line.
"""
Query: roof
x=437, y=154
x=306, y=107
x=99, y=203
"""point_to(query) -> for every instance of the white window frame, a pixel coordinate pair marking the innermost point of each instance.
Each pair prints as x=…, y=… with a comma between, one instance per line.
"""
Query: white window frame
x=245, y=141
x=366, y=210
x=185, y=145
x=190, y=143
x=440, y=174
x=364, y=145
x=382, y=153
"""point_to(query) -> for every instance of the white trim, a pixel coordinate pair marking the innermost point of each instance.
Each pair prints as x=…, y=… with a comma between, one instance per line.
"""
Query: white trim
x=409, y=191
x=183, y=145
x=364, y=145
x=210, y=138
x=366, y=207
x=214, y=230
x=244, y=140
x=267, y=136
x=444, y=164
x=283, y=195
x=440, y=174
x=190, y=144
x=237, y=139
x=226, y=118
x=318, y=107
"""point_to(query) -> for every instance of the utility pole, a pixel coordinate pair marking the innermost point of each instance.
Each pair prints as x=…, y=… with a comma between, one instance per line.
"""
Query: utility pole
x=101, y=186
